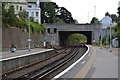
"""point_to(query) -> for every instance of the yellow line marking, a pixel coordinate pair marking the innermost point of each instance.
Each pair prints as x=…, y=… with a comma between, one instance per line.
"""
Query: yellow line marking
x=82, y=73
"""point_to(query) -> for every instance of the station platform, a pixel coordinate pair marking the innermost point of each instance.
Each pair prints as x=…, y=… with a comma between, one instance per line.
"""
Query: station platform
x=20, y=53
x=105, y=65
x=99, y=64
x=21, y=58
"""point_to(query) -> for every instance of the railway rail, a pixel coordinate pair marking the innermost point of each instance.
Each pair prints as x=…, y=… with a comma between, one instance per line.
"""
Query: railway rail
x=54, y=68
x=69, y=55
x=59, y=52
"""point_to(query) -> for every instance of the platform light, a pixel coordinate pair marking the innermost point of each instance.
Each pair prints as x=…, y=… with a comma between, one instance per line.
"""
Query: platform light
x=29, y=40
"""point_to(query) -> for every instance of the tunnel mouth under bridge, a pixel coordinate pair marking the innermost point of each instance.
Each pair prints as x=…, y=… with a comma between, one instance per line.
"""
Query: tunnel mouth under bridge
x=63, y=35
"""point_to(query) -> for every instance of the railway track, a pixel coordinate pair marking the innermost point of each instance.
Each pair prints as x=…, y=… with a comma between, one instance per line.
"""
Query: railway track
x=54, y=68
x=69, y=55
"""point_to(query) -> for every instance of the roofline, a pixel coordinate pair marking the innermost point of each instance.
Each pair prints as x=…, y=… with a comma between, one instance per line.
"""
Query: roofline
x=39, y=0
x=14, y=1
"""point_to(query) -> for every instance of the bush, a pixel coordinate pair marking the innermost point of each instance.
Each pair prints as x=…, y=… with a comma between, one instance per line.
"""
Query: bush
x=76, y=38
x=36, y=27
x=21, y=23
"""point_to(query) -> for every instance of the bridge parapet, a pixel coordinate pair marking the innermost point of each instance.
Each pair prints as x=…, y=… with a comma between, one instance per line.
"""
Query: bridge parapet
x=53, y=31
x=74, y=27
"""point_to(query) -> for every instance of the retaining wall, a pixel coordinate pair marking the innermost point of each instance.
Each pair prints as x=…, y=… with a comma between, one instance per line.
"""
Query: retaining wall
x=19, y=38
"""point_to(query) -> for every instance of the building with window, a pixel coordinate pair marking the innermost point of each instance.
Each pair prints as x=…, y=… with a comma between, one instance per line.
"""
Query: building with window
x=19, y=5
x=34, y=11
x=31, y=6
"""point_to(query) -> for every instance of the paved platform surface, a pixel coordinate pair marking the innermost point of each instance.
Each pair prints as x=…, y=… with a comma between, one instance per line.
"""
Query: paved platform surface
x=105, y=65
x=82, y=67
x=8, y=54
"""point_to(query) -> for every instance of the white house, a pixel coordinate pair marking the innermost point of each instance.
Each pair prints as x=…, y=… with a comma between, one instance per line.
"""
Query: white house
x=106, y=21
x=34, y=11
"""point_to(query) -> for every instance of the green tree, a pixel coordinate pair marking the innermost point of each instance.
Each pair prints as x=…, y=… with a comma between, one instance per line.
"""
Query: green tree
x=58, y=20
x=118, y=11
x=21, y=23
x=8, y=15
x=117, y=27
x=12, y=17
x=117, y=32
x=65, y=15
x=94, y=20
x=48, y=12
x=36, y=27
x=23, y=14
x=4, y=14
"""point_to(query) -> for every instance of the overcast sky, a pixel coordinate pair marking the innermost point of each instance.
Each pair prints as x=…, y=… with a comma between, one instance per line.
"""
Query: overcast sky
x=83, y=10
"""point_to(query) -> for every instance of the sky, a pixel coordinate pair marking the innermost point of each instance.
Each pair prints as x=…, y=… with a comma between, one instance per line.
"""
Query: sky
x=84, y=10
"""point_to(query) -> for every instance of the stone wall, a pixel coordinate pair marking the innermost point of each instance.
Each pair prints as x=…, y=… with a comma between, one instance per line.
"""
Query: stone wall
x=19, y=38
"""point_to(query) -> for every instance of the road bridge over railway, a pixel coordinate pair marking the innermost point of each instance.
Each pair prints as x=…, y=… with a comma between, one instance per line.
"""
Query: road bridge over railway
x=57, y=33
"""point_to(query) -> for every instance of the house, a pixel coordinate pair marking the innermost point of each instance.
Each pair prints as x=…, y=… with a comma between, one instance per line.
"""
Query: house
x=106, y=21
x=109, y=20
x=30, y=6
x=34, y=11
x=19, y=5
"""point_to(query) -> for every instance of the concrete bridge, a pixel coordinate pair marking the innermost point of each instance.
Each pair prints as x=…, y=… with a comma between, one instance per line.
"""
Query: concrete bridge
x=57, y=33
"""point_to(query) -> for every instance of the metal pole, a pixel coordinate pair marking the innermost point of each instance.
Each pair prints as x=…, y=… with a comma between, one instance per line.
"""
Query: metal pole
x=106, y=37
x=29, y=34
x=101, y=39
x=110, y=39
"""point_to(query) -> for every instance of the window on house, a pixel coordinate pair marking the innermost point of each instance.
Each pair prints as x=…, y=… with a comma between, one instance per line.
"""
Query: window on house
x=32, y=14
x=48, y=30
x=20, y=8
x=30, y=6
x=27, y=13
x=17, y=7
x=55, y=30
x=36, y=14
x=31, y=19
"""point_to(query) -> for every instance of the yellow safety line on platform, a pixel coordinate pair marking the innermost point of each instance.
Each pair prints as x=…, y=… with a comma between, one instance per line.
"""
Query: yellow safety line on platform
x=87, y=66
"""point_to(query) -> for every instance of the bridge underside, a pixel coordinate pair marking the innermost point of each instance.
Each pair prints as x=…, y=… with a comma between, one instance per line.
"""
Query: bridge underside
x=64, y=34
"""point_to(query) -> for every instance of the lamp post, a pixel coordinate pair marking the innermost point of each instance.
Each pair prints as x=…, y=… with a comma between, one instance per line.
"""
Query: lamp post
x=29, y=34
x=101, y=38
x=107, y=21
x=110, y=38
x=106, y=37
